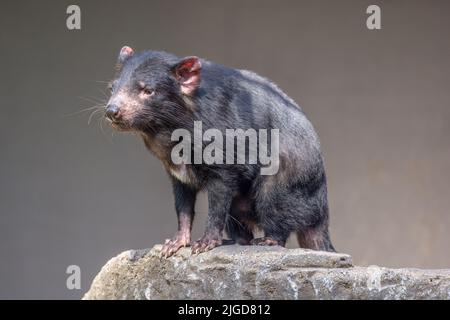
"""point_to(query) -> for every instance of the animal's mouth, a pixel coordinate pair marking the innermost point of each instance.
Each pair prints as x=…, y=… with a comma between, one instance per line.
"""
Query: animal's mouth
x=118, y=125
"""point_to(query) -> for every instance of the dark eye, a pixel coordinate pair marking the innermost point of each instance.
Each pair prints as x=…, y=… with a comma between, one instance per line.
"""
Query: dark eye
x=147, y=91
x=144, y=89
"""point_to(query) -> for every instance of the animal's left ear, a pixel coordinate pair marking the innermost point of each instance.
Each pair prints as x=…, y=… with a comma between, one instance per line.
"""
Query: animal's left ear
x=187, y=73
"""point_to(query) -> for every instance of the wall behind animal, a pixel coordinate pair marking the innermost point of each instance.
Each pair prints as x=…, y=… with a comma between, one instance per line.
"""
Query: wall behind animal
x=73, y=193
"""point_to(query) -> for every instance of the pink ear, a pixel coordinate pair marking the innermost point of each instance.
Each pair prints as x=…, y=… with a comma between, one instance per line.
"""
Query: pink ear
x=125, y=53
x=187, y=72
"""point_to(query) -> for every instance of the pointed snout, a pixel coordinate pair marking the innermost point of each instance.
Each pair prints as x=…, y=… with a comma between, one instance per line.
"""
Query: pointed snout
x=113, y=112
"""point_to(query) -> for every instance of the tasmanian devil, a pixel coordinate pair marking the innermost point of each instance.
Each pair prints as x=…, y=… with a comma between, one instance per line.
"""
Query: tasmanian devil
x=155, y=93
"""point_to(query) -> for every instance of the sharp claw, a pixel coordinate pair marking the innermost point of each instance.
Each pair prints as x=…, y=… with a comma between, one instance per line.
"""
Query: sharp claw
x=171, y=246
x=204, y=245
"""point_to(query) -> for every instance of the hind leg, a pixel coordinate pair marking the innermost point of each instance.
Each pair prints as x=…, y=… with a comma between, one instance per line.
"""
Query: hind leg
x=272, y=236
x=316, y=239
x=238, y=231
x=283, y=210
x=277, y=218
x=272, y=220
x=238, y=224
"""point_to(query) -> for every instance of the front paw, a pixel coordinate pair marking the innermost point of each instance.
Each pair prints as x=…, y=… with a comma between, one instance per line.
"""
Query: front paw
x=206, y=243
x=171, y=246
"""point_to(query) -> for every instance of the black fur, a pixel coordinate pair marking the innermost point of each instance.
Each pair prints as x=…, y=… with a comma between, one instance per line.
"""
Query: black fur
x=240, y=198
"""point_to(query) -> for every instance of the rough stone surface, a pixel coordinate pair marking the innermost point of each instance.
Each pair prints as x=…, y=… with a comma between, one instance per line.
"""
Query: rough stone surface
x=252, y=272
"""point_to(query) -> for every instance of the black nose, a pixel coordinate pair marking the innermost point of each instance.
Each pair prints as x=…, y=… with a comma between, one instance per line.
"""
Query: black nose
x=113, y=112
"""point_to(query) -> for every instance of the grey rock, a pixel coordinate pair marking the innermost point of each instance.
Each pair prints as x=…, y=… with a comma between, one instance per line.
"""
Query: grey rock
x=253, y=272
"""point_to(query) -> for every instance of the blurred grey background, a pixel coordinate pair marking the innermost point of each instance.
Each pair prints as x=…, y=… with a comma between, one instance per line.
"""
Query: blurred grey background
x=71, y=193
